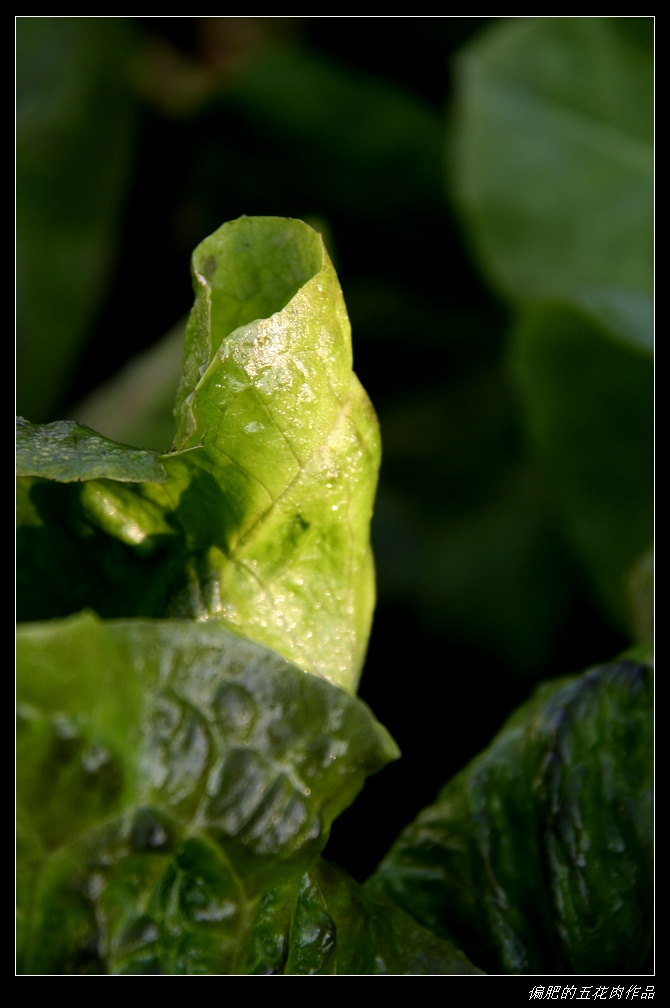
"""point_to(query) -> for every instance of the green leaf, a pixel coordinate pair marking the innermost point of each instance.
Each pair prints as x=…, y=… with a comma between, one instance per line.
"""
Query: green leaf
x=538, y=856
x=589, y=411
x=263, y=521
x=553, y=161
x=330, y=925
x=553, y=174
x=288, y=437
x=66, y=451
x=168, y=773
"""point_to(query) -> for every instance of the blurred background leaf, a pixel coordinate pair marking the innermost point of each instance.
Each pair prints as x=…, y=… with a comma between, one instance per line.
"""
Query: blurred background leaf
x=553, y=174
x=75, y=138
x=553, y=155
x=484, y=187
x=589, y=410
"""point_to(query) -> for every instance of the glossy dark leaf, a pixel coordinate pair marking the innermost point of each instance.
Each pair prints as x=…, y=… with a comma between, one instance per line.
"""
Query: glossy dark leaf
x=538, y=856
x=330, y=925
x=69, y=452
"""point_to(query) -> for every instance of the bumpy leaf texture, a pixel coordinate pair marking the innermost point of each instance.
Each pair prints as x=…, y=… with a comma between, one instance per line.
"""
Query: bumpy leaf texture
x=168, y=773
x=538, y=856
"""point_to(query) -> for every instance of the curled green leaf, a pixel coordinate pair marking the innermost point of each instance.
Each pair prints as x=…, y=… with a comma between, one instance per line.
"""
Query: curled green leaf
x=263, y=521
x=287, y=448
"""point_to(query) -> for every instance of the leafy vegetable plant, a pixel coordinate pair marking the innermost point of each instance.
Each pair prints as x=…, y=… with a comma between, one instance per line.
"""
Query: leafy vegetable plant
x=188, y=728
x=193, y=623
x=199, y=711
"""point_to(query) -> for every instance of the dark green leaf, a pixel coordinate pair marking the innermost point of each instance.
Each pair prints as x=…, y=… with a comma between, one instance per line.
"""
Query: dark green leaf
x=68, y=452
x=330, y=925
x=537, y=857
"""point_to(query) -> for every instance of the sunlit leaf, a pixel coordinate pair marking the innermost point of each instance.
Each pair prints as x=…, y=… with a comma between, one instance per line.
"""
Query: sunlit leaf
x=263, y=520
x=168, y=772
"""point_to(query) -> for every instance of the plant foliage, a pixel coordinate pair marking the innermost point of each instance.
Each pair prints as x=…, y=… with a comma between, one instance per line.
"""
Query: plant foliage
x=194, y=620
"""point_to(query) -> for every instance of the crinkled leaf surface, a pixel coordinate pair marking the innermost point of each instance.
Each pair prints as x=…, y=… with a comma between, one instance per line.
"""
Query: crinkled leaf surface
x=330, y=925
x=66, y=451
x=553, y=165
x=263, y=520
x=168, y=773
x=537, y=857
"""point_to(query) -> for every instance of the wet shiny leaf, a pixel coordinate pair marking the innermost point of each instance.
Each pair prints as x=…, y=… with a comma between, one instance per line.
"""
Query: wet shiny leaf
x=169, y=772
